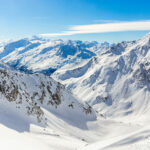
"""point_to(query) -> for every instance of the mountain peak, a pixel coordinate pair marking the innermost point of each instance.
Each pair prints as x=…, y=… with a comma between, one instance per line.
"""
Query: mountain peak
x=148, y=34
x=146, y=38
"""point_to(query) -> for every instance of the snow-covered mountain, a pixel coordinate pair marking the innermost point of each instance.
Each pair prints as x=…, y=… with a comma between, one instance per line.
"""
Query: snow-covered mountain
x=37, y=112
x=28, y=96
x=117, y=82
x=39, y=55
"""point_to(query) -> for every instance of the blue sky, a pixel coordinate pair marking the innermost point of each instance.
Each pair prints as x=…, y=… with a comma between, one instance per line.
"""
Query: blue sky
x=24, y=18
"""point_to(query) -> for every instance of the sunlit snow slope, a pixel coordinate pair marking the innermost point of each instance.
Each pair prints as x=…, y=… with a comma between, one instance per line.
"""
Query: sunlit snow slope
x=117, y=82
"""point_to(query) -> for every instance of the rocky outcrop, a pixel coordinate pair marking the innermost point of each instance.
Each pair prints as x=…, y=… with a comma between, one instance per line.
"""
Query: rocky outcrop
x=35, y=92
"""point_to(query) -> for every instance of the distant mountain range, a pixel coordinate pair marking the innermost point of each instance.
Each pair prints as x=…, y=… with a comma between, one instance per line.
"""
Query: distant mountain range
x=46, y=56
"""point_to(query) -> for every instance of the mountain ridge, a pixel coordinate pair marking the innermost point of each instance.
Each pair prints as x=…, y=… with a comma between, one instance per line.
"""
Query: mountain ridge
x=123, y=66
x=46, y=56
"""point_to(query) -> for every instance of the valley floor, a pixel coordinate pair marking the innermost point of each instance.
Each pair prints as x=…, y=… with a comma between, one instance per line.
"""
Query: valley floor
x=102, y=134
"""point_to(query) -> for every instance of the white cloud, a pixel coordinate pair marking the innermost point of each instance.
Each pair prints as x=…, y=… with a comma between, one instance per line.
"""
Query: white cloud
x=102, y=28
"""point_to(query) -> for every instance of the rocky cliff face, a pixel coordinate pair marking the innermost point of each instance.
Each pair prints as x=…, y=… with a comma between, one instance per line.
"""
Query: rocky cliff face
x=33, y=94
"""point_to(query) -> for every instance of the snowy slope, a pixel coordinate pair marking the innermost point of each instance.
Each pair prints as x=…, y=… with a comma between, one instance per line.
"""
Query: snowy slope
x=27, y=95
x=137, y=140
x=4, y=66
x=46, y=56
x=116, y=82
x=37, y=112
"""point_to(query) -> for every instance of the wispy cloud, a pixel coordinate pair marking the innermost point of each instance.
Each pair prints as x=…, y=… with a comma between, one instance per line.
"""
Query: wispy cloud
x=102, y=28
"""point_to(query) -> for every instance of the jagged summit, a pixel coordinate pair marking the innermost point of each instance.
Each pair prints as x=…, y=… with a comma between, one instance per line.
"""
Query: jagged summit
x=145, y=40
x=147, y=35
